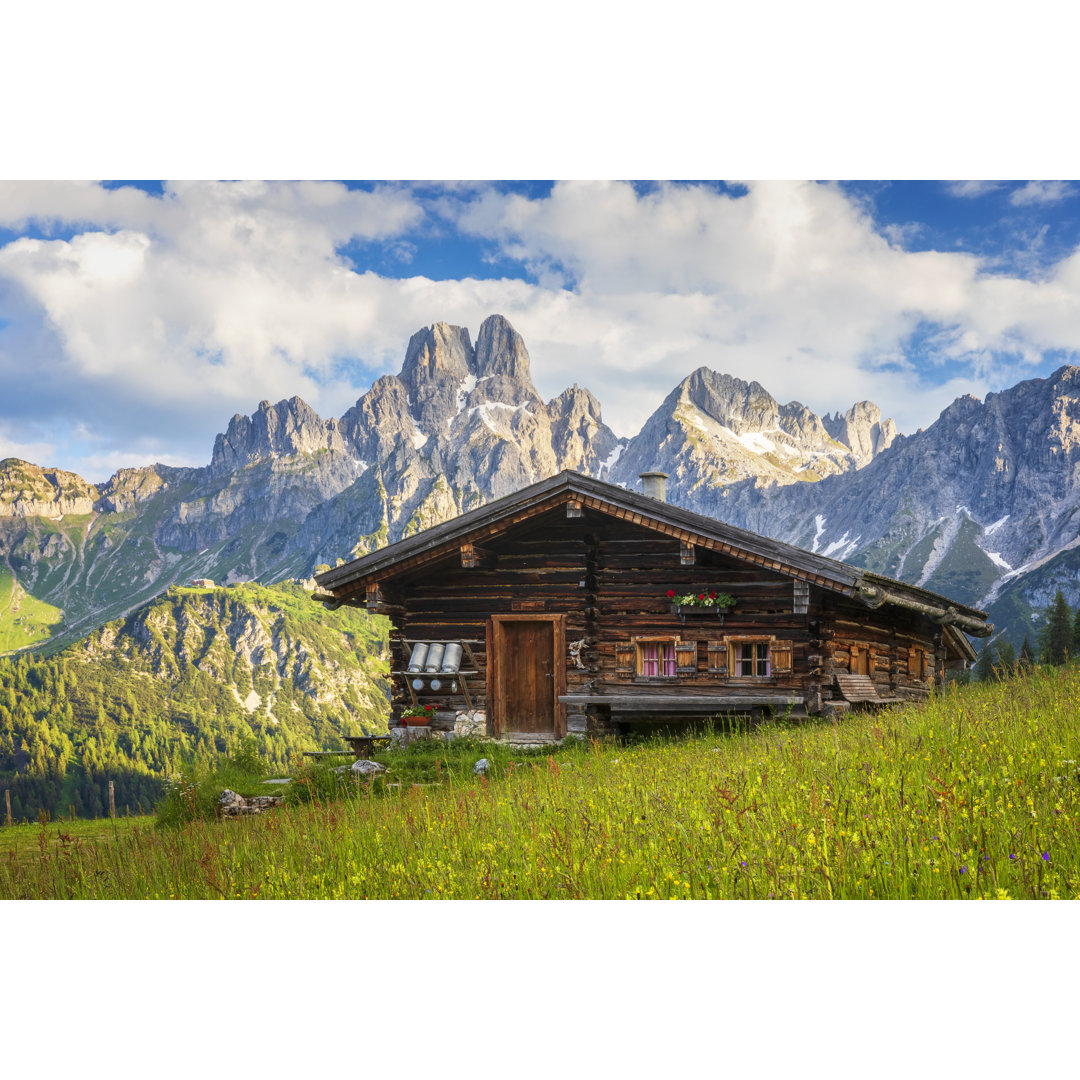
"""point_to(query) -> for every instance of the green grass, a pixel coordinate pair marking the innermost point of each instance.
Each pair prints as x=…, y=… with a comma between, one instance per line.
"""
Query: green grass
x=974, y=794
x=24, y=620
x=23, y=845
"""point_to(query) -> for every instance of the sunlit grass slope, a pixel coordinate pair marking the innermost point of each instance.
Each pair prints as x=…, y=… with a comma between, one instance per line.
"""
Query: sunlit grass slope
x=973, y=795
x=24, y=620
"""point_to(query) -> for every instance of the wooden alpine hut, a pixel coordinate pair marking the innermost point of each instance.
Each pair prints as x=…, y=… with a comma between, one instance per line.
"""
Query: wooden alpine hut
x=557, y=609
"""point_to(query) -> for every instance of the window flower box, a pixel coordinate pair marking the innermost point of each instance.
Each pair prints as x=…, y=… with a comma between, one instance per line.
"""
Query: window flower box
x=707, y=603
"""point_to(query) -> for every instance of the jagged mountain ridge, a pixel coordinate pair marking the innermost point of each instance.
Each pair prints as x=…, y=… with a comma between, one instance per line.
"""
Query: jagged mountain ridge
x=714, y=430
x=461, y=424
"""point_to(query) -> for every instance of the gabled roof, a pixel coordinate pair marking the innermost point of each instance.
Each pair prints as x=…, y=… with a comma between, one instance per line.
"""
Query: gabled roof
x=495, y=517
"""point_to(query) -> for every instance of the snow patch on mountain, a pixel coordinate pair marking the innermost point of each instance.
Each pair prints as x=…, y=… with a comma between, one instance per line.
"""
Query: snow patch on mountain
x=614, y=456
x=840, y=549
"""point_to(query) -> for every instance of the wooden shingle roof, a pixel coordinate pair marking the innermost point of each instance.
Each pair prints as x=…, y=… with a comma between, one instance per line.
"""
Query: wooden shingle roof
x=495, y=517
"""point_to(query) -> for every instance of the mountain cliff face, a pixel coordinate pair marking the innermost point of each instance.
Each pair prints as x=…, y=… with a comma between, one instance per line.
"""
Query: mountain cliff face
x=982, y=506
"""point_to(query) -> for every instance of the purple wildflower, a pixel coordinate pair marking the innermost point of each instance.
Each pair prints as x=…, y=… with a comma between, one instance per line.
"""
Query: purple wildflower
x=963, y=869
x=1012, y=857
x=1046, y=856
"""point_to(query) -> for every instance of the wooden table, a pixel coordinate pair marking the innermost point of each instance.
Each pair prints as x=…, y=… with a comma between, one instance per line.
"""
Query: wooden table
x=364, y=745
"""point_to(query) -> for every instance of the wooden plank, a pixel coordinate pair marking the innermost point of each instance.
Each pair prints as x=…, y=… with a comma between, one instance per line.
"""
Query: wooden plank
x=526, y=605
x=678, y=703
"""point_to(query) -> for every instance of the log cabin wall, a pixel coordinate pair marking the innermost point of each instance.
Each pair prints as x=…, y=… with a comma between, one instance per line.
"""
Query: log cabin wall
x=636, y=568
x=611, y=579
x=900, y=650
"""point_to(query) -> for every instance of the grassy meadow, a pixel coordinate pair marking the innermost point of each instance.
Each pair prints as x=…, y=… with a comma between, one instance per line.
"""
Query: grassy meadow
x=24, y=620
x=973, y=795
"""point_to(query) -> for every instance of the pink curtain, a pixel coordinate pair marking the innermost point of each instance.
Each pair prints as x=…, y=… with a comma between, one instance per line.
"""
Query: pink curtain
x=650, y=659
x=669, y=658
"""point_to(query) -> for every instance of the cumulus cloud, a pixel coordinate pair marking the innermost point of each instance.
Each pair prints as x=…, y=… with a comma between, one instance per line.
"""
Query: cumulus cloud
x=1041, y=193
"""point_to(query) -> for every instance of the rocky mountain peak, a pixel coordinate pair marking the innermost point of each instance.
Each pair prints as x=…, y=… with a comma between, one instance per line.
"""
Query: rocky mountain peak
x=738, y=405
x=862, y=430
x=439, y=359
x=714, y=430
x=503, y=372
x=289, y=427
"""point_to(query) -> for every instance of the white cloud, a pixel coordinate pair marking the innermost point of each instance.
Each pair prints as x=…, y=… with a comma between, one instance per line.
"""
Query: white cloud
x=1041, y=193
x=971, y=189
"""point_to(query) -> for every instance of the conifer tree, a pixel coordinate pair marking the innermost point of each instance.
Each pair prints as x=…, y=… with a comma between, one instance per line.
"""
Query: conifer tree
x=985, y=666
x=1055, y=640
x=1027, y=653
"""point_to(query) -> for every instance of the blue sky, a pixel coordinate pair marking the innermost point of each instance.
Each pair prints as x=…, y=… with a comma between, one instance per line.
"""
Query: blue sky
x=136, y=317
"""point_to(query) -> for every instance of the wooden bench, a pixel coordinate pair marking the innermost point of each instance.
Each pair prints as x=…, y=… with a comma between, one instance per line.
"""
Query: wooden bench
x=860, y=690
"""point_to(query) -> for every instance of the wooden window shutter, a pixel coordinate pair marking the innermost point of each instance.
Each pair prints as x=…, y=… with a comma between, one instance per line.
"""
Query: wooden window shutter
x=624, y=658
x=913, y=668
x=732, y=658
x=718, y=658
x=686, y=657
x=780, y=657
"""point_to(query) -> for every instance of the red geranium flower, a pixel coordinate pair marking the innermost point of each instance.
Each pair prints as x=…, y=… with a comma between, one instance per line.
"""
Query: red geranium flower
x=702, y=596
x=671, y=593
x=712, y=595
x=427, y=708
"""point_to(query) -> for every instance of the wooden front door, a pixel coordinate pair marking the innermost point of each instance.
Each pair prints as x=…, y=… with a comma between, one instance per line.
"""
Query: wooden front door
x=860, y=660
x=529, y=674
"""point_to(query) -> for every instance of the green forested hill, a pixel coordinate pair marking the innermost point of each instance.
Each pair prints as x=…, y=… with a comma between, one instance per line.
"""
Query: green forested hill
x=184, y=678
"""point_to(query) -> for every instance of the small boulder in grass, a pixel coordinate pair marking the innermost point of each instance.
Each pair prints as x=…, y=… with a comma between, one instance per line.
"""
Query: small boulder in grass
x=481, y=767
x=363, y=767
x=230, y=798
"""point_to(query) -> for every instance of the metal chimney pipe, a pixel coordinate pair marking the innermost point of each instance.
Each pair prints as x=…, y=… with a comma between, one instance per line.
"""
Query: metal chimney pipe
x=652, y=484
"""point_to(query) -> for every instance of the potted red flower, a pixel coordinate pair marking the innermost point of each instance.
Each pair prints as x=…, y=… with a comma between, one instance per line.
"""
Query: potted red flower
x=417, y=715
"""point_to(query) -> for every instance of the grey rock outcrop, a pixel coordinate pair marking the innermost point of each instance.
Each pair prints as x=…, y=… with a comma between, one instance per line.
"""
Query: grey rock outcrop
x=28, y=491
x=862, y=430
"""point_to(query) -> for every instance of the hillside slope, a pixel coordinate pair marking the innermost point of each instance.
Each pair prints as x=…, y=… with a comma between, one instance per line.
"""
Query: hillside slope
x=186, y=677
